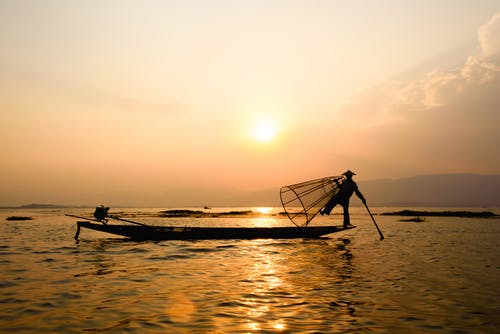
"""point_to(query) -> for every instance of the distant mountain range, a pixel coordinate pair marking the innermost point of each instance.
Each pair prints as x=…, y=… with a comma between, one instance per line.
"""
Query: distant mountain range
x=443, y=190
x=463, y=190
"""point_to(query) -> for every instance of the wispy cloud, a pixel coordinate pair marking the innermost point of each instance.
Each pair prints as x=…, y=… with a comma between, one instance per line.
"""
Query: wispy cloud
x=439, y=87
x=444, y=121
x=135, y=105
x=489, y=37
x=33, y=84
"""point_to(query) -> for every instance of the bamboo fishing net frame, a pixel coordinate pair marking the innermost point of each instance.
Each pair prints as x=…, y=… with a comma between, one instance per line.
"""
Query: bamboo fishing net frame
x=303, y=201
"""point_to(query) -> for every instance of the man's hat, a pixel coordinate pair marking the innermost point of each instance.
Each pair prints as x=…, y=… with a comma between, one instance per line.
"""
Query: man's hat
x=348, y=173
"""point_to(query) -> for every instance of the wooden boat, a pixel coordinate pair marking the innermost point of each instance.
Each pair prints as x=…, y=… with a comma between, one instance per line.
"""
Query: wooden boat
x=148, y=232
x=141, y=232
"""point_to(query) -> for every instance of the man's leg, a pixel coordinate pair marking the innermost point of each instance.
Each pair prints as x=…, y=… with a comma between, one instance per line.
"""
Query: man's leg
x=329, y=206
x=347, y=220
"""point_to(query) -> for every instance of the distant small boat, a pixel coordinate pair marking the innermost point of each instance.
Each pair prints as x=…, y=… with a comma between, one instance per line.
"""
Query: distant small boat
x=141, y=231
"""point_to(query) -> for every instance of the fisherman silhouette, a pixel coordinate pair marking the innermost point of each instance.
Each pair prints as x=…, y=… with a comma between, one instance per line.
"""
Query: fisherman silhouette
x=346, y=188
x=101, y=212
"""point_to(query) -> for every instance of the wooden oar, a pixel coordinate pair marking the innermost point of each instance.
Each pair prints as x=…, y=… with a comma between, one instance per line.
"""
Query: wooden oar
x=86, y=218
x=379, y=232
x=103, y=221
x=126, y=220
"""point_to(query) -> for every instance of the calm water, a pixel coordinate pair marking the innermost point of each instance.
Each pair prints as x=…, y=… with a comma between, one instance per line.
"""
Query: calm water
x=438, y=276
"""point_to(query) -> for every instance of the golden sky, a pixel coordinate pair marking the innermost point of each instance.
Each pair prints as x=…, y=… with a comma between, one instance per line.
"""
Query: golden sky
x=138, y=97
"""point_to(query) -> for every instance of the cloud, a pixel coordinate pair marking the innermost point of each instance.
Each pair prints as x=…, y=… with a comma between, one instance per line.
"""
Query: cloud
x=439, y=87
x=489, y=37
x=445, y=87
x=134, y=105
x=29, y=85
x=445, y=121
x=479, y=71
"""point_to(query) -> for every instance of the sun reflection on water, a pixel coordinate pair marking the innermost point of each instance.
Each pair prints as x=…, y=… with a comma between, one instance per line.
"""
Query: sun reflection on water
x=264, y=210
x=180, y=308
x=253, y=326
x=262, y=222
x=266, y=276
x=279, y=325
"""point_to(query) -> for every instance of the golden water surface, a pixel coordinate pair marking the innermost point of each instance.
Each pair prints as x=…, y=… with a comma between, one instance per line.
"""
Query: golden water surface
x=437, y=276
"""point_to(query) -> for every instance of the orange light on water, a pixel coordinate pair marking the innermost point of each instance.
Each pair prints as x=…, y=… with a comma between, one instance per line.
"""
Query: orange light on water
x=264, y=210
x=253, y=326
x=279, y=325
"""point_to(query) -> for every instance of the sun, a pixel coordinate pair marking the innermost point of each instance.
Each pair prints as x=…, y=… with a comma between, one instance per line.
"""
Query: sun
x=264, y=130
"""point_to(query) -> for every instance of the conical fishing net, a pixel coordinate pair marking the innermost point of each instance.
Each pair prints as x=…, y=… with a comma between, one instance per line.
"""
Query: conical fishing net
x=302, y=201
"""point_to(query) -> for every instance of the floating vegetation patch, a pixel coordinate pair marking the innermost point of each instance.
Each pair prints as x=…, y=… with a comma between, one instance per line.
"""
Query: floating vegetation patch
x=463, y=214
x=202, y=214
x=413, y=220
x=237, y=213
x=18, y=218
x=180, y=213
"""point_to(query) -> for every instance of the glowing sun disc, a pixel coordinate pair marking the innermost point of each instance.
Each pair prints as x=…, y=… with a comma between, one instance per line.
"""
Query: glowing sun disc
x=264, y=131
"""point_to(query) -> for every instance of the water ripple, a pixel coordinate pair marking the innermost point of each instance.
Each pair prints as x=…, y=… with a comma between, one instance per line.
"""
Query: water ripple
x=441, y=279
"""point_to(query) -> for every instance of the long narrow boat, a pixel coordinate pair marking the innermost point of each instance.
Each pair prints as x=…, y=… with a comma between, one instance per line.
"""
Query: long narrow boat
x=138, y=232
x=149, y=232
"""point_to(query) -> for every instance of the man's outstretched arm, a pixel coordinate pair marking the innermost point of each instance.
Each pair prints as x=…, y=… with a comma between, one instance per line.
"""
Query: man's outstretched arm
x=360, y=195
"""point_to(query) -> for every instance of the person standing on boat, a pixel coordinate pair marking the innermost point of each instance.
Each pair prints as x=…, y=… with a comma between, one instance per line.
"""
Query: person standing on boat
x=346, y=188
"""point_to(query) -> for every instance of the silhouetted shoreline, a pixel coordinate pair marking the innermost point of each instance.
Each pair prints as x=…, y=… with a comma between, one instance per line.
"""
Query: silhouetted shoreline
x=462, y=214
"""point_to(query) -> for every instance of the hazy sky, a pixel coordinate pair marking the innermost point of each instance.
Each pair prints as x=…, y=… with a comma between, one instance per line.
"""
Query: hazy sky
x=132, y=98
